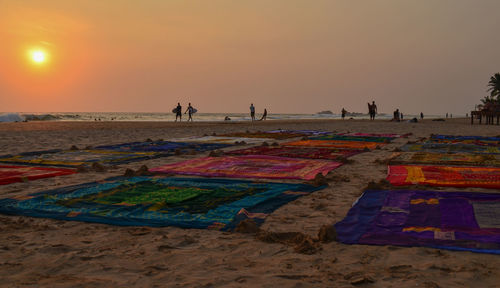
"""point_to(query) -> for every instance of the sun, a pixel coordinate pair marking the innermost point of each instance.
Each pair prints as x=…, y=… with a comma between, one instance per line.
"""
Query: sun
x=38, y=56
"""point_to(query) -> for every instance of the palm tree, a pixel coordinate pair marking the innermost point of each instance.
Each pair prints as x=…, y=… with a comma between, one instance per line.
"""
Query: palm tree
x=494, y=86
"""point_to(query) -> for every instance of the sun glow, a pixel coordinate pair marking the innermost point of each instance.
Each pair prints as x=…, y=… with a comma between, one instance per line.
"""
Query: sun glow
x=38, y=56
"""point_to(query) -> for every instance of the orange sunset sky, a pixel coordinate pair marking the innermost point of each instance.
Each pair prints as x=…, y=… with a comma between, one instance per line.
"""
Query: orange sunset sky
x=290, y=56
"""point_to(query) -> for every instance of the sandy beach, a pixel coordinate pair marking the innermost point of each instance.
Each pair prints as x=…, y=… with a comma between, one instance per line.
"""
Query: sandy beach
x=38, y=252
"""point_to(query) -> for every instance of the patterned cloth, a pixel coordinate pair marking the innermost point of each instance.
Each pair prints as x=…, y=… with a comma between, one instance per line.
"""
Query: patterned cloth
x=11, y=174
x=485, y=160
x=444, y=220
x=251, y=166
x=484, y=177
x=302, y=132
x=353, y=138
x=452, y=137
x=476, y=140
x=224, y=140
x=297, y=152
x=73, y=158
x=154, y=201
x=277, y=136
x=387, y=135
x=335, y=144
x=164, y=147
x=451, y=148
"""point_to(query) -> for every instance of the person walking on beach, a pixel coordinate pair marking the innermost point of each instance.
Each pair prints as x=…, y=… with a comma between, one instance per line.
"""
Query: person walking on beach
x=343, y=113
x=252, y=112
x=178, y=112
x=264, y=116
x=190, y=110
x=421, y=116
x=372, y=110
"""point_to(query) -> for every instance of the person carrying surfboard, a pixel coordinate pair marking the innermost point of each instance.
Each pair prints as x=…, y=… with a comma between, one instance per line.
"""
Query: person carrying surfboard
x=191, y=111
x=178, y=112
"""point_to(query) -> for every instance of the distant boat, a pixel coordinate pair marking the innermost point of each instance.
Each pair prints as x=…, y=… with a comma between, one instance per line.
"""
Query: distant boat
x=327, y=112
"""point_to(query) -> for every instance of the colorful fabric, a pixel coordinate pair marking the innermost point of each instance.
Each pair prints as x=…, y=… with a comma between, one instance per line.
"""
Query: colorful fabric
x=483, y=177
x=11, y=174
x=335, y=144
x=450, y=148
x=297, y=152
x=277, y=136
x=353, y=138
x=224, y=140
x=476, y=140
x=73, y=158
x=484, y=160
x=153, y=201
x=251, y=166
x=453, y=137
x=386, y=135
x=303, y=132
x=164, y=147
x=467, y=221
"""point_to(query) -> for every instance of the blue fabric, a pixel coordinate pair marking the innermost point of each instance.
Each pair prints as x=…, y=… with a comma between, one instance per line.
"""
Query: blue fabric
x=213, y=203
x=453, y=137
x=164, y=147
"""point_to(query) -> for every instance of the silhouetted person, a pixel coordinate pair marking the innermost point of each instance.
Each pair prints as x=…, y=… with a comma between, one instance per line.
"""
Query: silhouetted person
x=421, y=116
x=446, y=115
x=252, y=112
x=343, y=113
x=372, y=110
x=190, y=110
x=178, y=112
x=396, y=115
x=264, y=116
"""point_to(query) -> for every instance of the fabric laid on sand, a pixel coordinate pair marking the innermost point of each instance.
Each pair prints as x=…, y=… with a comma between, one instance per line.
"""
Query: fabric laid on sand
x=160, y=201
x=251, y=166
x=335, y=144
x=466, y=141
x=353, y=138
x=73, y=158
x=164, y=147
x=385, y=135
x=452, y=137
x=467, y=221
x=302, y=132
x=451, y=148
x=11, y=174
x=224, y=140
x=482, y=177
x=297, y=152
x=277, y=136
x=485, y=160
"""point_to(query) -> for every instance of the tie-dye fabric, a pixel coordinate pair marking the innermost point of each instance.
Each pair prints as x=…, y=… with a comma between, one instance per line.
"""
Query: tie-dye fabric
x=73, y=158
x=251, y=166
x=11, y=174
x=224, y=140
x=485, y=160
x=277, y=136
x=297, y=152
x=156, y=201
x=385, y=135
x=353, y=145
x=302, y=132
x=353, y=138
x=467, y=221
x=476, y=140
x=164, y=147
x=451, y=148
x=482, y=177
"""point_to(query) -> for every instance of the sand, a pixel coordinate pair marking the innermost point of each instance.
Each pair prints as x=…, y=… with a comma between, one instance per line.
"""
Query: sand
x=36, y=252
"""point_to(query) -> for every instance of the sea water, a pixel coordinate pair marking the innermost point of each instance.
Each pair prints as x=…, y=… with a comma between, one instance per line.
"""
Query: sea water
x=204, y=117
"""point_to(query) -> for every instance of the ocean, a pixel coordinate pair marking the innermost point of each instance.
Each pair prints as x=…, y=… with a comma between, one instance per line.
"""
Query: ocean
x=203, y=117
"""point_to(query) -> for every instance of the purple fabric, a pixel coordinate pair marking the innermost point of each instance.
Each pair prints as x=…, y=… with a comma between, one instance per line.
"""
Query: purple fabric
x=446, y=220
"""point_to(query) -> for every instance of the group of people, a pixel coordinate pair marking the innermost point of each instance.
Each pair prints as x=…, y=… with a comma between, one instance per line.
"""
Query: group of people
x=252, y=113
x=178, y=112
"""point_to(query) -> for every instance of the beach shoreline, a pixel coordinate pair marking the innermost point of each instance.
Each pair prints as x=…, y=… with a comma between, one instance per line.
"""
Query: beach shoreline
x=54, y=253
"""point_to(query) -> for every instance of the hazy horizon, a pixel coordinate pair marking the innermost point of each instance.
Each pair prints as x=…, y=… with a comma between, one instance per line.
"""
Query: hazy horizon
x=289, y=56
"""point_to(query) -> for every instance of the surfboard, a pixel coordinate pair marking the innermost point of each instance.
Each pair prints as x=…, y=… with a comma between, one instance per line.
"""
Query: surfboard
x=174, y=110
x=194, y=110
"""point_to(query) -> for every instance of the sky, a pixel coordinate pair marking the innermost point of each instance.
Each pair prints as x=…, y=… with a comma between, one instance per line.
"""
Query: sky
x=289, y=56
